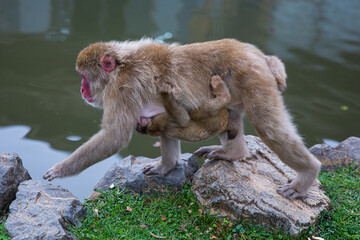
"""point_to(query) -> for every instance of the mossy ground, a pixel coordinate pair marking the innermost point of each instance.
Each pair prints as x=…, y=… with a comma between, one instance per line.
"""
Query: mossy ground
x=176, y=215
x=3, y=236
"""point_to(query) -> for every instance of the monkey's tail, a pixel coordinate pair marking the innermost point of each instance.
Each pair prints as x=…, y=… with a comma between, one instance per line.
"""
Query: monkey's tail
x=277, y=67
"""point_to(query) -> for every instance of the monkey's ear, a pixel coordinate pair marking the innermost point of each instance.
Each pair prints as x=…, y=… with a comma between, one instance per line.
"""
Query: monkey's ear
x=108, y=63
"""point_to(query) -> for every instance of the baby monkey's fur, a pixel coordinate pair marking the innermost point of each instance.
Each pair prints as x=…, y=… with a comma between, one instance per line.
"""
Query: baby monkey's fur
x=122, y=77
x=208, y=120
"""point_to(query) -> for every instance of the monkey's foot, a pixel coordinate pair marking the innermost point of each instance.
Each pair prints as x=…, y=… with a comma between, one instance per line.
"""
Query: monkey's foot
x=289, y=192
x=167, y=88
x=158, y=168
x=203, y=152
x=51, y=174
x=219, y=88
x=216, y=82
x=219, y=153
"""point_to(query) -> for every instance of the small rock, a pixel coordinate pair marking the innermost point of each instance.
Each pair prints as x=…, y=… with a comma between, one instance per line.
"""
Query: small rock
x=94, y=195
x=346, y=153
x=12, y=173
x=247, y=190
x=41, y=211
x=128, y=173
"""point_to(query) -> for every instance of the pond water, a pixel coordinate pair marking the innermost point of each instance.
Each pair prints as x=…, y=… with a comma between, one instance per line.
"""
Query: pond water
x=43, y=118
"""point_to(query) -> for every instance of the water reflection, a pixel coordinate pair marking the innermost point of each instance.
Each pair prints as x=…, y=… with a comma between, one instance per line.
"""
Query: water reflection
x=73, y=138
x=51, y=18
x=21, y=16
x=319, y=42
x=324, y=28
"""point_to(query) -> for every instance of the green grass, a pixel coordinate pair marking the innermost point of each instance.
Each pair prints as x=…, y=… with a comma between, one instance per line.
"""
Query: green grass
x=176, y=215
x=343, y=220
x=3, y=236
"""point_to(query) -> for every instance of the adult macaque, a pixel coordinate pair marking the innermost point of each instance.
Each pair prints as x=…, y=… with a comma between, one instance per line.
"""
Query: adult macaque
x=122, y=78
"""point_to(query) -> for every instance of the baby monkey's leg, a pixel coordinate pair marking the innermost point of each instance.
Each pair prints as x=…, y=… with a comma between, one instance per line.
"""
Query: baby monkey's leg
x=175, y=113
x=173, y=107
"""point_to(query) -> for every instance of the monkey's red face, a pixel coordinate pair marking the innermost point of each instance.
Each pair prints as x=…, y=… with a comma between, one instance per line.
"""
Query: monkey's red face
x=85, y=90
x=96, y=67
x=91, y=91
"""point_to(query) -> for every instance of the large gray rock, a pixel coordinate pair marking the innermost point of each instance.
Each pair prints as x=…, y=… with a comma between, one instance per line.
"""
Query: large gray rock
x=346, y=153
x=41, y=211
x=128, y=173
x=12, y=173
x=247, y=190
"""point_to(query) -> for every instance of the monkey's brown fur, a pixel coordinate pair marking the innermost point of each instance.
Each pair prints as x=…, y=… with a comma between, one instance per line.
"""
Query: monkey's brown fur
x=208, y=120
x=141, y=65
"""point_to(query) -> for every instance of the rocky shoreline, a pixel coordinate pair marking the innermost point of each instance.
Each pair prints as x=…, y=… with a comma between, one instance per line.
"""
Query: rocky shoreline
x=243, y=189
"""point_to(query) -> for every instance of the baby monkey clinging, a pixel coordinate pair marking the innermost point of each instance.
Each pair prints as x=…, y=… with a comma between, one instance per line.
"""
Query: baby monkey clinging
x=208, y=120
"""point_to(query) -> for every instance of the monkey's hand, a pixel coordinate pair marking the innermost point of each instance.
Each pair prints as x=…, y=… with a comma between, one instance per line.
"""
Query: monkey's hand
x=220, y=153
x=52, y=173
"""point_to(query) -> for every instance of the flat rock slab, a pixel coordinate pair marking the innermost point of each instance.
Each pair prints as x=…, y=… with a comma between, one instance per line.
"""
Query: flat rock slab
x=12, y=173
x=247, y=190
x=41, y=211
x=346, y=153
x=127, y=173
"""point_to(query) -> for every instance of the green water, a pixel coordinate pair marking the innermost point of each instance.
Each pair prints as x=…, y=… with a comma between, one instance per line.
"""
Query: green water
x=41, y=109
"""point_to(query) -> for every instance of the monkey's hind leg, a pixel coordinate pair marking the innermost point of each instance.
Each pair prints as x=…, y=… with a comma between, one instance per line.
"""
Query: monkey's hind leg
x=170, y=154
x=274, y=127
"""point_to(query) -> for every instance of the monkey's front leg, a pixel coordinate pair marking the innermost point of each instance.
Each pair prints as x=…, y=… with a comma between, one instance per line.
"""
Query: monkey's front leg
x=100, y=146
x=170, y=155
